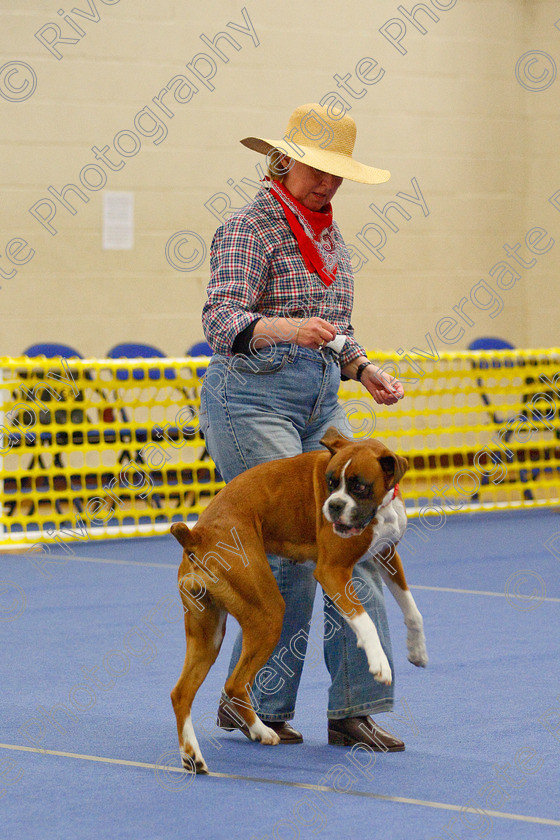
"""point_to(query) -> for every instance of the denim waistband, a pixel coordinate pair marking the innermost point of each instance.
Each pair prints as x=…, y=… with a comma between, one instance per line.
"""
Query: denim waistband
x=294, y=352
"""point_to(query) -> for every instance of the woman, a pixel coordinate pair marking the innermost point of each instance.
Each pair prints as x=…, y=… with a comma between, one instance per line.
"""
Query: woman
x=281, y=289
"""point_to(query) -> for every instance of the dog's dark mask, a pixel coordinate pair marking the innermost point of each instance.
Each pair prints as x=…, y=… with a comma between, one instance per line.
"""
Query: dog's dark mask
x=358, y=476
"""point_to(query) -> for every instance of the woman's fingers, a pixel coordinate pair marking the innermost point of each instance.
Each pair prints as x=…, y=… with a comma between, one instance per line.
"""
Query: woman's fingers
x=315, y=333
x=385, y=390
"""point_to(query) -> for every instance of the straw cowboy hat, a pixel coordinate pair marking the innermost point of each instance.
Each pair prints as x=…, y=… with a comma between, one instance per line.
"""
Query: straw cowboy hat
x=313, y=137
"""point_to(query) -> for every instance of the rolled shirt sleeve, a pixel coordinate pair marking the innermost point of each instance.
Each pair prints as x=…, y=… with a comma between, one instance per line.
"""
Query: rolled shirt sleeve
x=239, y=268
x=351, y=349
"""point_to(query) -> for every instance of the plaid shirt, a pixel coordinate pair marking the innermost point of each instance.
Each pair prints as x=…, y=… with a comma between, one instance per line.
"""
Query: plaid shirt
x=257, y=270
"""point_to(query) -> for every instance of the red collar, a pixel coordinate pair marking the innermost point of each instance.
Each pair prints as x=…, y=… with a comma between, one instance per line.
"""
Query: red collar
x=394, y=496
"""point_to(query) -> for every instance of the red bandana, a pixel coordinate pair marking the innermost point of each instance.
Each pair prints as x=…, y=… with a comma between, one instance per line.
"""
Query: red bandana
x=313, y=231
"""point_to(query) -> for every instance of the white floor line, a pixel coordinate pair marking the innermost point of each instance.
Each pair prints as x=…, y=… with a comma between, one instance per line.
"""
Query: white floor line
x=109, y=560
x=404, y=800
x=471, y=592
x=114, y=561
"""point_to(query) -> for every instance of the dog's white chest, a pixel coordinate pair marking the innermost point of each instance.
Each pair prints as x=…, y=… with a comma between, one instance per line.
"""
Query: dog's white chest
x=390, y=522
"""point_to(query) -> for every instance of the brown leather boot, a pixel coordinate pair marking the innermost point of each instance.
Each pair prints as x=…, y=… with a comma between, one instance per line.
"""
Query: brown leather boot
x=346, y=732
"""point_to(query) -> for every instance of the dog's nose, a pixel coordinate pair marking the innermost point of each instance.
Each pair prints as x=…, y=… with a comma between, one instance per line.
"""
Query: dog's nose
x=336, y=506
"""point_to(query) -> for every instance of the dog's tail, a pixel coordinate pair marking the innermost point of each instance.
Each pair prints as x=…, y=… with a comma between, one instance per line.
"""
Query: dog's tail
x=182, y=534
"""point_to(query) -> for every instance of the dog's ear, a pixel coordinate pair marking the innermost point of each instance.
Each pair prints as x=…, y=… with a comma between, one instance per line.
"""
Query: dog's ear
x=394, y=468
x=182, y=533
x=333, y=440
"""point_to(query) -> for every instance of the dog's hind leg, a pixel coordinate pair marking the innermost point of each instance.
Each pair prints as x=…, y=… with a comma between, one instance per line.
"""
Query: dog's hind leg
x=261, y=630
x=205, y=632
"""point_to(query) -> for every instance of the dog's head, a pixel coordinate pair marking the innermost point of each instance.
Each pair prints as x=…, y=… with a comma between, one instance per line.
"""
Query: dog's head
x=359, y=475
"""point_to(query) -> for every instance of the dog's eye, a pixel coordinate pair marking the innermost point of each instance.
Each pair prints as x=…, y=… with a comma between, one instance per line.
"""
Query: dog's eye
x=331, y=482
x=358, y=488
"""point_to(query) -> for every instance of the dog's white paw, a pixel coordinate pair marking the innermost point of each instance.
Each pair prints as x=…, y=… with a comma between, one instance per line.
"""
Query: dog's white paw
x=417, y=653
x=271, y=737
x=416, y=643
x=194, y=764
x=380, y=668
x=191, y=756
x=260, y=732
x=368, y=639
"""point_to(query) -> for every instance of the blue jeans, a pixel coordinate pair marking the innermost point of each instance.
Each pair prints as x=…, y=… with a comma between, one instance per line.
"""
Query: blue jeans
x=276, y=404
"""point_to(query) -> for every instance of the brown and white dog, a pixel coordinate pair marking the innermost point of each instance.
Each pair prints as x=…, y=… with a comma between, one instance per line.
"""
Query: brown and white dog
x=330, y=507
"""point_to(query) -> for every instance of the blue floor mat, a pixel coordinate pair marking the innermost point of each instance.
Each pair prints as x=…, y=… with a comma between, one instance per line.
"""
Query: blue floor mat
x=93, y=643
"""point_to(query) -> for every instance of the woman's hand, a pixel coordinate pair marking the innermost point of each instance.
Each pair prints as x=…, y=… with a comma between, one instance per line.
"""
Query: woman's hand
x=313, y=333
x=306, y=332
x=384, y=389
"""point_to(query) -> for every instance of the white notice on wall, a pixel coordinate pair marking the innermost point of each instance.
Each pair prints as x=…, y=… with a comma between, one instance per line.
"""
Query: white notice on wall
x=118, y=221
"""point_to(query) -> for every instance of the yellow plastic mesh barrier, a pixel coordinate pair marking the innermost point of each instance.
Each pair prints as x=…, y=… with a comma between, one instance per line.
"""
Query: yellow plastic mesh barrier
x=100, y=448
x=104, y=448
x=481, y=430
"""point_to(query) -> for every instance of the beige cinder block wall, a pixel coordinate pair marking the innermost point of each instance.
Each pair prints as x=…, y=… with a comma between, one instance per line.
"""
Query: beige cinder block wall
x=542, y=201
x=114, y=96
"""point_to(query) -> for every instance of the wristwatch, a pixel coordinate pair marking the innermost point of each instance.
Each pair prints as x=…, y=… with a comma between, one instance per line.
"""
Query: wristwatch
x=361, y=369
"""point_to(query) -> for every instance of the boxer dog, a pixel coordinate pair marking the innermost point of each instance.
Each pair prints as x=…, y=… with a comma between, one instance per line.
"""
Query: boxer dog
x=329, y=507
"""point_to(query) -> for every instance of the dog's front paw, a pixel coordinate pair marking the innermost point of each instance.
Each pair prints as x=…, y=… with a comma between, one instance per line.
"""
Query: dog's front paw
x=417, y=653
x=263, y=733
x=368, y=639
x=380, y=668
x=416, y=644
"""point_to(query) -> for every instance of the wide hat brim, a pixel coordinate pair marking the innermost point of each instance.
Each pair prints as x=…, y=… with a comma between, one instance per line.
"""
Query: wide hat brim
x=335, y=163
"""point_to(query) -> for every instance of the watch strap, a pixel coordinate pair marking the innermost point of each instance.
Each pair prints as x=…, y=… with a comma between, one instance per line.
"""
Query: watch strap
x=361, y=369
